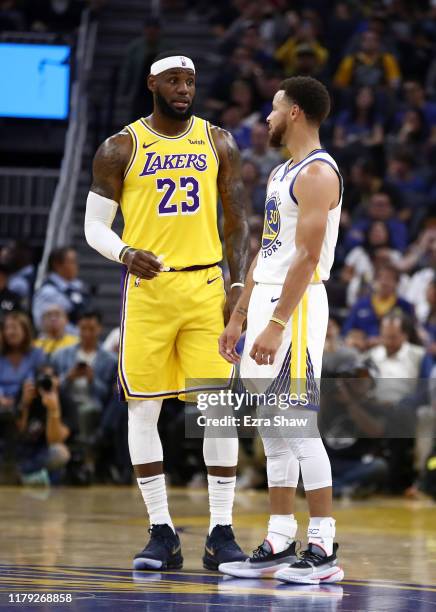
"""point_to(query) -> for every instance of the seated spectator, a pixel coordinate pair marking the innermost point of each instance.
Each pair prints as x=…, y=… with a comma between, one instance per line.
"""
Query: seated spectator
x=53, y=334
x=428, y=329
x=256, y=192
x=18, y=257
x=232, y=120
x=261, y=154
x=352, y=425
x=251, y=39
x=46, y=423
x=19, y=360
x=399, y=364
x=357, y=339
x=361, y=126
x=370, y=66
x=367, y=312
x=415, y=99
x=9, y=300
x=422, y=258
x=362, y=184
x=242, y=95
x=341, y=26
x=307, y=64
x=404, y=176
x=287, y=53
x=87, y=373
x=380, y=208
x=62, y=287
x=337, y=356
x=361, y=262
x=412, y=134
x=240, y=65
x=396, y=359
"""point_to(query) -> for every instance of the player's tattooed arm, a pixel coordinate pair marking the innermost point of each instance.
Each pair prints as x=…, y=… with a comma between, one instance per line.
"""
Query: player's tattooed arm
x=235, y=206
x=110, y=163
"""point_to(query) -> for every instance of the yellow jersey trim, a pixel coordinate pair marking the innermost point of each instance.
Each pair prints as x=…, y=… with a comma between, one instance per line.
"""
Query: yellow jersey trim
x=134, y=150
x=211, y=142
x=185, y=133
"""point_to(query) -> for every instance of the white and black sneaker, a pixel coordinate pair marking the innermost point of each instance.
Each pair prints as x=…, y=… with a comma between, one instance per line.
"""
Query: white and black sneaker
x=262, y=564
x=312, y=567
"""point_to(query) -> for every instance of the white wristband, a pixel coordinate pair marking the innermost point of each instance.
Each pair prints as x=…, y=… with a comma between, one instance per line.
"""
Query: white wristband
x=237, y=285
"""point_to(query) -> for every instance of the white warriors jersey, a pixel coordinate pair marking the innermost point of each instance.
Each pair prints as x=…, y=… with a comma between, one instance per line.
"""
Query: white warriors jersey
x=281, y=213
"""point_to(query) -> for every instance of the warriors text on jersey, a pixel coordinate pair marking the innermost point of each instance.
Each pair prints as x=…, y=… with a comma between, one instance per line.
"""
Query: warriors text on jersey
x=281, y=214
x=169, y=198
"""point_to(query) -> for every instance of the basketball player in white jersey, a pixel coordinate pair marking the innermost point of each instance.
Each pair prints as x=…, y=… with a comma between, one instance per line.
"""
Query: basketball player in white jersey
x=286, y=307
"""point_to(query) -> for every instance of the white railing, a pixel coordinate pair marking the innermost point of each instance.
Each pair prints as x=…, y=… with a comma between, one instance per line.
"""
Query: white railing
x=59, y=224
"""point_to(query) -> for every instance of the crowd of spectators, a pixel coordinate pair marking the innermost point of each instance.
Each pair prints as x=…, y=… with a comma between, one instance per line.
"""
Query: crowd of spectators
x=60, y=418
x=378, y=61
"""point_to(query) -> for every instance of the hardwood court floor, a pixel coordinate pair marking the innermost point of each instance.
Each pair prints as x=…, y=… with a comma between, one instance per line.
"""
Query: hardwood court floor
x=81, y=541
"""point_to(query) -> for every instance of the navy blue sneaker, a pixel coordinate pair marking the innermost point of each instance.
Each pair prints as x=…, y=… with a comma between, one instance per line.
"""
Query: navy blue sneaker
x=221, y=547
x=163, y=550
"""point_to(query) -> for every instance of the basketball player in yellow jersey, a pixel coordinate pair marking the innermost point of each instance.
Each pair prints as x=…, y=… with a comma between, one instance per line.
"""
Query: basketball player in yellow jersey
x=165, y=171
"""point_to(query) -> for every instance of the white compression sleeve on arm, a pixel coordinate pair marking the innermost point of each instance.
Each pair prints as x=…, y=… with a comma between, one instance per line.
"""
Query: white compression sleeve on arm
x=99, y=216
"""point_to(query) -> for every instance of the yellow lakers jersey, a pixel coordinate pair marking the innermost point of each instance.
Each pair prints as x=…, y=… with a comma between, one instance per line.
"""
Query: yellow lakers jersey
x=169, y=197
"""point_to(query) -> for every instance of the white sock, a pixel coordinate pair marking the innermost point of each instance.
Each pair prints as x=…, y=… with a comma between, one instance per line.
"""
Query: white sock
x=154, y=492
x=221, y=495
x=281, y=531
x=321, y=532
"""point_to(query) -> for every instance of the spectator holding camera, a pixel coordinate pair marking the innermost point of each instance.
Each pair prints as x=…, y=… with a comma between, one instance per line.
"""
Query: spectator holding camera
x=46, y=422
x=87, y=372
x=54, y=336
x=368, y=311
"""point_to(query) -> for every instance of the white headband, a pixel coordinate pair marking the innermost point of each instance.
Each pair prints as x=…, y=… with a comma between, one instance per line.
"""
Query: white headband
x=176, y=61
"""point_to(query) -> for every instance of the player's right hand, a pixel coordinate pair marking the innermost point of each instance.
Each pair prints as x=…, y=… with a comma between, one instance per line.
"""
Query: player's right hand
x=143, y=264
x=228, y=340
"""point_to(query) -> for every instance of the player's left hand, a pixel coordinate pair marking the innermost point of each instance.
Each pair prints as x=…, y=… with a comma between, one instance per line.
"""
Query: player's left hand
x=267, y=344
x=232, y=298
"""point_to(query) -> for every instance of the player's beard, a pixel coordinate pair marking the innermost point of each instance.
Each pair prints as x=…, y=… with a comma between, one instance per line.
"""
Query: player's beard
x=276, y=137
x=167, y=110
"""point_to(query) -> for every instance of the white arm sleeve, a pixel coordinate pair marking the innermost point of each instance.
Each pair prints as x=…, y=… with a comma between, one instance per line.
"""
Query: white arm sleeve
x=99, y=216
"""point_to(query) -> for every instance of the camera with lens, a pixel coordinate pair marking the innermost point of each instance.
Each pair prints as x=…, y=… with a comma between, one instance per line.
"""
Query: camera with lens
x=44, y=382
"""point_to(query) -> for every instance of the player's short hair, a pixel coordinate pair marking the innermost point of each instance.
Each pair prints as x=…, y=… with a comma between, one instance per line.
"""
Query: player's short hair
x=310, y=95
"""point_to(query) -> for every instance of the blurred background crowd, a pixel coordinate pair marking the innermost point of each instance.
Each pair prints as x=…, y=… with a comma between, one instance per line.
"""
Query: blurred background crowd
x=61, y=421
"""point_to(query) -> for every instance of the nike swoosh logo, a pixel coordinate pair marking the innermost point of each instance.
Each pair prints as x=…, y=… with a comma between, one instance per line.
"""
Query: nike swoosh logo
x=147, y=481
x=275, y=299
x=213, y=279
x=176, y=550
x=224, y=481
x=145, y=146
x=210, y=551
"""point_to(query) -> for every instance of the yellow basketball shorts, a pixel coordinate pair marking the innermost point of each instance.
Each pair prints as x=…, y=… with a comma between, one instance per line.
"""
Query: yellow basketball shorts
x=169, y=334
